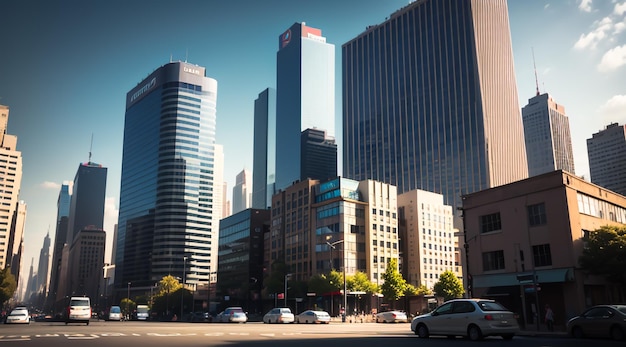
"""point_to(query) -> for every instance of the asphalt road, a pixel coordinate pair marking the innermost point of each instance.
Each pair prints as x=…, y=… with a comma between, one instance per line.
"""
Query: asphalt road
x=254, y=334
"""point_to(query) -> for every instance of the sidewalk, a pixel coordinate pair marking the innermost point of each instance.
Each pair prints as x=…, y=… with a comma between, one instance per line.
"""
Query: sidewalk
x=531, y=330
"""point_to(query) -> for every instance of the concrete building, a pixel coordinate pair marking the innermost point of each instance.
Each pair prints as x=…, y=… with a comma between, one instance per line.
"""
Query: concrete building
x=440, y=111
x=429, y=239
x=264, y=156
x=86, y=263
x=547, y=136
x=606, y=150
x=318, y=155
x=242, y=191
x=305, y=95
x=171, y=180
x=530, y=234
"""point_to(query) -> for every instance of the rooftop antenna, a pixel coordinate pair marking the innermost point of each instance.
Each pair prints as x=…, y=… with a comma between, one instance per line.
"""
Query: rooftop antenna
x=535, y=67
x=90, y=146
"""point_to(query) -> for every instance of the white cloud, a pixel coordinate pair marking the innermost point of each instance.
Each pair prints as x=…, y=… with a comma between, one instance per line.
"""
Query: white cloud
x=591, y=39
x=614, y=110
x=585, y=5
x=620, y=9
x=50, y=185
x=545, y=7
x=613, y=59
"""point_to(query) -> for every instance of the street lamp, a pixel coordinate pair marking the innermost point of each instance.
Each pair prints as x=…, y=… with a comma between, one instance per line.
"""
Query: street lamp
x=343, y=260
x=182, y=291
x=128, y=301
x=286, y=278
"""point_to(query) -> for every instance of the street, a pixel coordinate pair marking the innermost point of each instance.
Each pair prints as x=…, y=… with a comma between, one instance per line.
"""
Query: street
x=156, y=334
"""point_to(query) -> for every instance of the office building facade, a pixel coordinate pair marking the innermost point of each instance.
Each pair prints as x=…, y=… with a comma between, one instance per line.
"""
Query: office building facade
x=171, y=182
x=264, y=151
x=606, y=150
x=87, y=199
x=60, y=238
x=547, y=136
x=440, y=111
x=305, y=95
x=318, y=155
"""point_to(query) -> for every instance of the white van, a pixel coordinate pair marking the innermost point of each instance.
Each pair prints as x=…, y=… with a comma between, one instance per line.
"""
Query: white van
x=78, y=310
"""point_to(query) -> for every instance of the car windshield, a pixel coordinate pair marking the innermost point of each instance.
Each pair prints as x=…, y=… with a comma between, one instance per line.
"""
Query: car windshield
x=79, y=302
x=116, y=309
x=18, y=313
x=285, y=310
x=491, y=306
x=621, y=308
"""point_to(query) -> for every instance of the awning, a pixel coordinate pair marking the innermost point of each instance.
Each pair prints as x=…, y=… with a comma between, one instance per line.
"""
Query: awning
x=513, y=278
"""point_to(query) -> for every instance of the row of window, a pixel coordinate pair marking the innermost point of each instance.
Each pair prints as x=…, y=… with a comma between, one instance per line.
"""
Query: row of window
x=536, y=216
x=495, y=260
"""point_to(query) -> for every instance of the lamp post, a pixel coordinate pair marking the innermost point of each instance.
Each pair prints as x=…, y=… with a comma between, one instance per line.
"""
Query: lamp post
x=128, y=301
x=182, y=290
x=343, y=260
x=286, y=278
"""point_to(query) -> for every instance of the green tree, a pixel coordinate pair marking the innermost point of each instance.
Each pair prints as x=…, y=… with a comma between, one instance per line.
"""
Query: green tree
x=164, y=300
x=420, y=290
x=7, y=285
x=395, y=285
x=128, y=306
x=168, y=284
x=605, y=254
x=449, y=286
x=359, y=282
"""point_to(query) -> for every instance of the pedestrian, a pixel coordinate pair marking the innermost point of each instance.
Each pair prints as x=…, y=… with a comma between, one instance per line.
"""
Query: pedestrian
x=549, y=318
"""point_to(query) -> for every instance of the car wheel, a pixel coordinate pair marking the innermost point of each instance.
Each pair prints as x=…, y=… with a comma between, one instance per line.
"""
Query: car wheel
x=577, y=333
x=508, y=336
x=422, y=331
x=617, y=334
x=474, y=333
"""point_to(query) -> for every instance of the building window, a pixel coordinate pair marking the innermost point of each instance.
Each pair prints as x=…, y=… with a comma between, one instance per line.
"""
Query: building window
x=493, y=260
x=541, y=255
x=490, y=222
x=537, y=214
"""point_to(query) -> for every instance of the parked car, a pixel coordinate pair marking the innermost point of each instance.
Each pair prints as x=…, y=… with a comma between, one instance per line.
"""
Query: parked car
x=115, y=313
x=608, y=321
x=279, y=315
x=18, y=315
x=392, y=317
x=78, y=310
x=312, y=316
x=472, y=318
x=232, y=315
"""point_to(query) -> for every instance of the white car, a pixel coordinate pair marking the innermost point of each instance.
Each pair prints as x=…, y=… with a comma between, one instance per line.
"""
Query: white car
x=115, y=313
x=392, y=317
x=232, y=315
x=472, y=318
x=18, y=315
x=279, y=315
x=78, y=310
x=312, y=316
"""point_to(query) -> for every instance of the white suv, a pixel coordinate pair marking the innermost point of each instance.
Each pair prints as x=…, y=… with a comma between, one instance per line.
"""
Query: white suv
x=78, y=310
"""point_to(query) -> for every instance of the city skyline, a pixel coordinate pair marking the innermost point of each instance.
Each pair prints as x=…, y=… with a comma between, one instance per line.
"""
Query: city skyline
x=63, y=85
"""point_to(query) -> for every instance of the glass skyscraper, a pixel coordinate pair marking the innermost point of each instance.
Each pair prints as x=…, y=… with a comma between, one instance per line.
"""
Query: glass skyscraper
x=264, y=156
x=305, y=95
x=430, y=100
x=170, y=195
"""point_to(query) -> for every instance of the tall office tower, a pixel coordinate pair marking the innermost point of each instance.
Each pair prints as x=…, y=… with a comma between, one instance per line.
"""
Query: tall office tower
x=428, y=238
x=43, y=269
x=10, y=183
x=606, y=150
x=87, y=199
x=242, y=191
x=225, y=202
x=319, y=155
x=86, y=214
x=547, y=136
x=15, y=244
x=430, y=100
x=60, y=239
x=172, y=179
x=305, y=95
x=264, y=156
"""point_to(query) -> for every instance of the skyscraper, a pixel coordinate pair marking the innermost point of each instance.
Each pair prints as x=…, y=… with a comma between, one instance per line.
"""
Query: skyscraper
x=171, y=182
x=318, y=155
x=10, y=183
x=264, y=156
x=60, y=238
x=242, y=191
x=547, y=136
x=430, y=100
x=607, y=158
x=43, y=269
x=87, y=200
x=305, y=95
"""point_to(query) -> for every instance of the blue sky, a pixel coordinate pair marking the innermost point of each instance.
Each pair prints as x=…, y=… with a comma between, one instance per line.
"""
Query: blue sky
x=66, y=67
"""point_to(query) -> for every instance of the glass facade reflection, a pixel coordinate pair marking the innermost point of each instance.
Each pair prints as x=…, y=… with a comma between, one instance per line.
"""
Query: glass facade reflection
x=430, y=100
x=169, y=204
x=264, y=157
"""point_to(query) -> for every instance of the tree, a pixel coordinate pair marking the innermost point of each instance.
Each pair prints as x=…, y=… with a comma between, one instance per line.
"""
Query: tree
x=359, y=282
x=605, y=254
x=394, y=286
x=420, y=290
x=449, y=286
x=7, y=285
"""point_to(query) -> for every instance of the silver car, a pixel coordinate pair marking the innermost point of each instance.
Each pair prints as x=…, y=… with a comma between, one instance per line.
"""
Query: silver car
x=472, y=318
x=18, y=315
x=391, y=317
x=232, y=315
x=312, y=316
x=279, y=315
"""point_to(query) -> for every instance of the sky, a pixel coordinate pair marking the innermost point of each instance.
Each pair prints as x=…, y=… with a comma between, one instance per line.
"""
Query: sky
x=66, y=66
